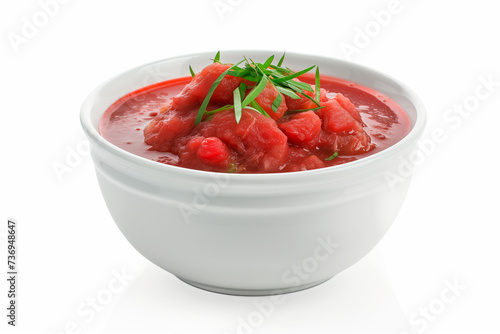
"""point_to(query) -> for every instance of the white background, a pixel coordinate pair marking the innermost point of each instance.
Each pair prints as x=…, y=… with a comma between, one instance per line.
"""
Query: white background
x=70, y=250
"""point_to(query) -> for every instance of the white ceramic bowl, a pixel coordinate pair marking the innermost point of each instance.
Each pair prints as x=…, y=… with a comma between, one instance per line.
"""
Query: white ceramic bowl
x=252, y=234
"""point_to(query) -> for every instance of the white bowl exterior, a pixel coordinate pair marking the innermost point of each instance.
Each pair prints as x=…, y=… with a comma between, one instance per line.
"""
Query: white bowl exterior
x=264, y=232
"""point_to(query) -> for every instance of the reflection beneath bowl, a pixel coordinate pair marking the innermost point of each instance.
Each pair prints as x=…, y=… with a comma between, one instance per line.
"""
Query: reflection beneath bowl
x=348, y=303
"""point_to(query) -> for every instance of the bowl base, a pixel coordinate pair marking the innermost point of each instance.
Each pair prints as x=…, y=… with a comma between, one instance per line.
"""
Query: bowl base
x=245, y=292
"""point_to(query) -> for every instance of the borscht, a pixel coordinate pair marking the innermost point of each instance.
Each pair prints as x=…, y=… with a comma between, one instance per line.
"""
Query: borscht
x=251, y=117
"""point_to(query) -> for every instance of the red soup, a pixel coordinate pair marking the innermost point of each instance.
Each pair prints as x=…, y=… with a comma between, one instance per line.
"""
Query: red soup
x=256, y=118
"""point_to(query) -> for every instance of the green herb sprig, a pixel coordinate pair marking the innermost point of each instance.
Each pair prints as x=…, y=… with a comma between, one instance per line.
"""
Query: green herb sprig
x=261, y=74
x=333, y=156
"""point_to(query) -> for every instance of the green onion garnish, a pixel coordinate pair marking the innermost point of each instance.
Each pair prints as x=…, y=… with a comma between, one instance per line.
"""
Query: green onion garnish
x=281, y=60
x=237, y=104
x=257, y=107
x=333, y=156
x=255, y=91
x=277, y=102
x=294, y=75
x=316, y=85
x=268, y=62
x=262, y=74
x=288, y=92
x=217, y=57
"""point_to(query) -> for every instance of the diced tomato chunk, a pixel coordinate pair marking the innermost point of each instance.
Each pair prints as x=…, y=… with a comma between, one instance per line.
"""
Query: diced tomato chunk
x=347, y=105
x=302, y=128
x=301, y=163
x=165, y=126
x=266, y=98
x=193, y=143
x=262, y=136
x=312, y=162
x=337, y=119
x=354, y=144
x=256, y=138
x=212, y=151
x=341, y=132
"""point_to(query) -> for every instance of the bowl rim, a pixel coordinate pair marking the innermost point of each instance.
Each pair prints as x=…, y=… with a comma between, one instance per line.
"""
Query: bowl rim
x=414, y=134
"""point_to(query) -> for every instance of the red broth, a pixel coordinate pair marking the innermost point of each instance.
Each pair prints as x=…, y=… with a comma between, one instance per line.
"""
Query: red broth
x=124, y=122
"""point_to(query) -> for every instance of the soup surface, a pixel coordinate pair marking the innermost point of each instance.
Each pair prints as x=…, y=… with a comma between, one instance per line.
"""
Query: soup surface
x=276, y=132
